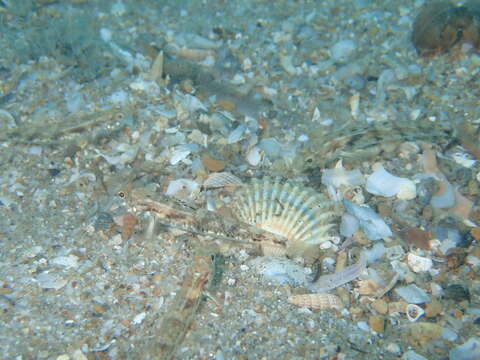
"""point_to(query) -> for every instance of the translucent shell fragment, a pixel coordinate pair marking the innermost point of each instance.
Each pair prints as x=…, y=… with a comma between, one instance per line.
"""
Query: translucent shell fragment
x=317, y=301
x=440, y=26
x=299, y=214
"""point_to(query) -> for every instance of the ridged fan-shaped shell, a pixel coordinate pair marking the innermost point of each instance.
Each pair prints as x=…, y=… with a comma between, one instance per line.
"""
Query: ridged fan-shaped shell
x=317, y=301
x=297, y=213
x=221, y=179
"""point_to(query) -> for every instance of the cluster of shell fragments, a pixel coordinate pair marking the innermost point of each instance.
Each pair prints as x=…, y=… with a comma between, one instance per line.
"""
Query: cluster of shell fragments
x=442, y=26
x=296, y=213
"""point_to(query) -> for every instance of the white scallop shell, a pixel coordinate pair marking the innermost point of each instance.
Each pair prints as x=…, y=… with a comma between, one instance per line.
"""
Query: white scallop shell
x=317, y=301
x=299, y=214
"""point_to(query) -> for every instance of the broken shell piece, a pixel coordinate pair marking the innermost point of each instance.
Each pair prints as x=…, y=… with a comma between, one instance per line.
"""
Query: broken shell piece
x=254, y=156
x=382, y=183
x=183, y=189
x=418, y=263
x=339, y=176
x=445, y=197
x=414, y=312
x=372, y=224
x=179, y=155
x=317, y=301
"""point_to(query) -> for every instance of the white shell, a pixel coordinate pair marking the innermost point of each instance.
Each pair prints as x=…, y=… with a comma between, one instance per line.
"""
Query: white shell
x=236, y=134
x=339, y=176
x=382, y=183
x=179, y=155
x=254, y=156
x=221, y=179
x=183, y=189
x=317, y=301
x=297, y=213
x=418, y=263
x=414, y=312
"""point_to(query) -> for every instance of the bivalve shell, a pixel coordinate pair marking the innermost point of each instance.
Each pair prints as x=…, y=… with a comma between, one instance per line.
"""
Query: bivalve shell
x=299, y=214
x=317, y=301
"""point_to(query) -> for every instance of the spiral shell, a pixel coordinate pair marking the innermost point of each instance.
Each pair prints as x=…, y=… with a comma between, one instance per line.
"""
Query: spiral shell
x=299, y=214
x=317, y=301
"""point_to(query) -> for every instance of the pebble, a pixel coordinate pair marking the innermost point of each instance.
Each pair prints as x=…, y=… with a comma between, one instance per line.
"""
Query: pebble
x=433, y=308
x=70, y=261
x=362, y=325
x=396, y=307
x=413, y=294
x=103, y=221
x=78, y=355
x=419, y=264
x=412, y=355
x=421, y=333
x=212, y=164
x=342, y=49
x=470, y=350
x=50, y=281
x=457, y=293
x=377, y=323
x=380, y=306
x=394, y=348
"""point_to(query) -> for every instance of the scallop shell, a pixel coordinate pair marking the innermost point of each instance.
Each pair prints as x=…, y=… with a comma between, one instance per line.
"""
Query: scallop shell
x=317, y=301
x=299, y=214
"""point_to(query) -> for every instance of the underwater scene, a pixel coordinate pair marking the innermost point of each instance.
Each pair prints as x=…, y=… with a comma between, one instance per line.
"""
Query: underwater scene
x=221, y=179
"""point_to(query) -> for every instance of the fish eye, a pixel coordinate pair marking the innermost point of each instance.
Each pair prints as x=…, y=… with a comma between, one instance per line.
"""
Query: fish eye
x=121, y=194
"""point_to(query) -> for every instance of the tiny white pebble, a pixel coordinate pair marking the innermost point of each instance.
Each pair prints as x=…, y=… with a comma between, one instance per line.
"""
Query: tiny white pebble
x=139, y=318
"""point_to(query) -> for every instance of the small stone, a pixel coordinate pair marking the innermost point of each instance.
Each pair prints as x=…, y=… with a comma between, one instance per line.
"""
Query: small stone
x=380, y=306
x=412, y=355
x=377, y=323
x=394, y=348
x=476, y=233
x=157, y=278
x=226, y=105
x=51, y=281
x=413, y=294
x=70, y=261
x=212, y=164
x=421, y=333
x=397, y=307
x=456, y=292
x=433, y=308
x=99, y=309
x=470, y=350
x=78, y=355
